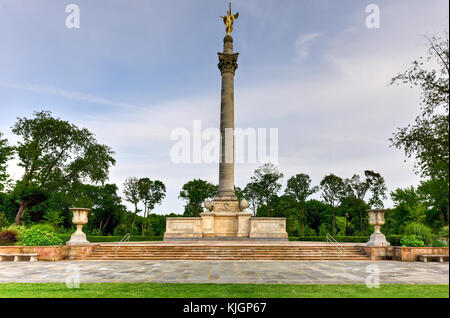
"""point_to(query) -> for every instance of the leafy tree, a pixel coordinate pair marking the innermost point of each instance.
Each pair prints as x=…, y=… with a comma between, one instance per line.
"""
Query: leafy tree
x=377, y=187
x=6, y=153
x=333, y=189
x=410, y=206
x=299, y=188
x=252, y=195
x=435, y=193
x=195, y=192
x=54, y=154
x=427, y=139
x=151, y=193
x=266, y=179
x=132, y=195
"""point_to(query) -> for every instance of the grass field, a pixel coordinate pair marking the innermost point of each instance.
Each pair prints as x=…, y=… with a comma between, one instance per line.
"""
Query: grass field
x=150, y=290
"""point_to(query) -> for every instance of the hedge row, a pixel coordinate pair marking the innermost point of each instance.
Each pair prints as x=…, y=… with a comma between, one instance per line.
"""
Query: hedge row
x=393, y=239
x=98, y=239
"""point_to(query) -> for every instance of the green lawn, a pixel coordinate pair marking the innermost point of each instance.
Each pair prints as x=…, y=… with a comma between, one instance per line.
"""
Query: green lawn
x=149, y=290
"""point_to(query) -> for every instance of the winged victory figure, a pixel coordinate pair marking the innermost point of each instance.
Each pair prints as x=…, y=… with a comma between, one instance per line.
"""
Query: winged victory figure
x=229, y=20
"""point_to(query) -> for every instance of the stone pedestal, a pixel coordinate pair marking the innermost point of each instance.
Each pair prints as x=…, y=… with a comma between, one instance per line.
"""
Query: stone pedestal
x=80, y=218
x=376, y=219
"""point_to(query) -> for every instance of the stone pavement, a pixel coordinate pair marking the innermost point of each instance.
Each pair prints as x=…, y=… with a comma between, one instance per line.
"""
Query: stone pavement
x=253, y=272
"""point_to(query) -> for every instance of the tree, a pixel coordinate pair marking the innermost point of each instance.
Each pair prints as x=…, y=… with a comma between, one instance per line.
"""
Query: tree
x=195, y=192
x=6, y=153
x=54, y=154
x=435, y=193
x=252, y=195
x=333, y=188
x=377, y=187
x=266, y=179
x=427, y=139
x=299, y=188
x=410, y=205
x=131, y=191
x=151, y=193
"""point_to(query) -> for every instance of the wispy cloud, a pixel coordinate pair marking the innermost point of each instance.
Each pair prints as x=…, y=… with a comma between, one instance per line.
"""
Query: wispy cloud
x=48, y=89
x=302, y=44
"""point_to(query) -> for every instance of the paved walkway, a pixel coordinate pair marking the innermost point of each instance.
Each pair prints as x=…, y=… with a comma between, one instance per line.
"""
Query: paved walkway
x=254, y=272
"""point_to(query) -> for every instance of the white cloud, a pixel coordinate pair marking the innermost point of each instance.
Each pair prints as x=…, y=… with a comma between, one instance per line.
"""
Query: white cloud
x=303, y=42
x=48, y=89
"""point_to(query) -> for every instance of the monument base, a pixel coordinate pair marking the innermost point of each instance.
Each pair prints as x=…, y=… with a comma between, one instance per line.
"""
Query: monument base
x=78, y=238
x=377, y=239
x=226, y=226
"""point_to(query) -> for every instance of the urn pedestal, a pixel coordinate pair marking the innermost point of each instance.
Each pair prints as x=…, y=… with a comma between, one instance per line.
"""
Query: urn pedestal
x=80, y=218
x=376, y=219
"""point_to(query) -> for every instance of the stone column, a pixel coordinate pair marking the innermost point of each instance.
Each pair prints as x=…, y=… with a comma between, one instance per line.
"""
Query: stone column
x=227, y=65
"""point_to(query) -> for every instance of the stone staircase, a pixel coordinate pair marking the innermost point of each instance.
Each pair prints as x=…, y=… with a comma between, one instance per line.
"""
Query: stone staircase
x=224, y=252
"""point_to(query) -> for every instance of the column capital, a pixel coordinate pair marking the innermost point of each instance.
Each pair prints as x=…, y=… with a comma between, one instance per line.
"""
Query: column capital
x=228, y=62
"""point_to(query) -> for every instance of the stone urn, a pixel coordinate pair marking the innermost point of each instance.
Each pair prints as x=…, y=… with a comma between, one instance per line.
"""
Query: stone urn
x=80, y=218
x=208, y=204
x=376, y=219
x=244, y=205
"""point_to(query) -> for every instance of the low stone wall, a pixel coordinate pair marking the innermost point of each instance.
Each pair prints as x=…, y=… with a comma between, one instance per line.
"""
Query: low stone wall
x=268, y=228
x=182, y=227
x=404, y=254
x=411, y=254
x=51, y=253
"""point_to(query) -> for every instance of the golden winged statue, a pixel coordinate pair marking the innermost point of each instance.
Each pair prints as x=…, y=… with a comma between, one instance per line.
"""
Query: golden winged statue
x=229, y=20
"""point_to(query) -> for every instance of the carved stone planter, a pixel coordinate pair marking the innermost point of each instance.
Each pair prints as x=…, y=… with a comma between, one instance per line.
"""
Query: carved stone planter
x=377, y=220
x=80, y=218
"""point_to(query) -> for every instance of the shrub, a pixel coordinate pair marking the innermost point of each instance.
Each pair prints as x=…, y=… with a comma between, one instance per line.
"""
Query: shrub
x=412, y=241
x=96, y=232
x=36, y=236
x=394, y=239
x=438, y=244
x=19, y=229
x=443, y=234
x=8, y=235
x=46, y=227
x=3, y=220
x=420, y=230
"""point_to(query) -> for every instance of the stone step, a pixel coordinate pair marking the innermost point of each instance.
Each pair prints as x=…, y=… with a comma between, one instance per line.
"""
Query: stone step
x=306, y=257
x=227, y=252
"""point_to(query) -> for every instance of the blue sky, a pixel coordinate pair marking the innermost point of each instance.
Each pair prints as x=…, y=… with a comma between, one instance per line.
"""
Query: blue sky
x=136, y=70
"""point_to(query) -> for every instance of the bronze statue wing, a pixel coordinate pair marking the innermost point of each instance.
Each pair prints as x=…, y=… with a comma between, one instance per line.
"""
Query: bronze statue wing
x=224, y=20
x=235, y=16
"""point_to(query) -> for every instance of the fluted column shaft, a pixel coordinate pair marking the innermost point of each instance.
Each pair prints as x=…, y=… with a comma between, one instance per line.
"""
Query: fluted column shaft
x=227, y=66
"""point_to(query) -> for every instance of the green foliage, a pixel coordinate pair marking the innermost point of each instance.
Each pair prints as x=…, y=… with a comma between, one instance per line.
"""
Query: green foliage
x=4, y=222
x=38, y=236
x=8, y=236
x=19, y=229
x=412, y=241
x=195, y=192
x=443, y=234
x=54, y=218
x=6, y=153
x=394, y=239
x=439, y=244
x=55, y=154
x=427, y=139
x=266, y=183
x=420, y=230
